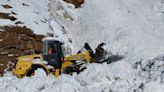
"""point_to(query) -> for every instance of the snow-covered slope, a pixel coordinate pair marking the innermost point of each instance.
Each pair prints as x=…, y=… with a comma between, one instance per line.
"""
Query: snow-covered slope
x=32, y=13
x=130, y=28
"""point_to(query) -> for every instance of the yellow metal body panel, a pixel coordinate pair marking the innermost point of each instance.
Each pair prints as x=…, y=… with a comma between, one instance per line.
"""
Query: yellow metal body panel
x=21, y=68
x=80, y=56
x=57, y=72
x=66, y=64
x=29, y=57
x=24, y=64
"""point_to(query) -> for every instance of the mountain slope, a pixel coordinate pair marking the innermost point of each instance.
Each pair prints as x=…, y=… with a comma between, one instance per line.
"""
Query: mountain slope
x=131, y=28
x=30, y=13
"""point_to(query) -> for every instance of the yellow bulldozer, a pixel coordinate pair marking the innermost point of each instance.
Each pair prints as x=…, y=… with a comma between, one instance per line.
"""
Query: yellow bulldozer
x=52, y=60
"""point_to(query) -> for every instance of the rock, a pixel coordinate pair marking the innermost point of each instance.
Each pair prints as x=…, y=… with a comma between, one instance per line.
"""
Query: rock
x=7, y=16
x=1, y=40
x=77, y=3
x=10, y=55
x=6, y=6
x=16, y=41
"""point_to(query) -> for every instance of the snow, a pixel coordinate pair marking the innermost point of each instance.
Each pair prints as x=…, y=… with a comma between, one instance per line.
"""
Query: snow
x=65, y=83
x=39, y=61
x=116, y=77
x=34, y=14
x=52, y=39
x=154, y=87
x=131, y=28
x=5, y=22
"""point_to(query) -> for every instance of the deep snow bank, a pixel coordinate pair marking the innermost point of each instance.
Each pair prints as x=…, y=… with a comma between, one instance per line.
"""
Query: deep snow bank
x=99, y=78
x=116, y=77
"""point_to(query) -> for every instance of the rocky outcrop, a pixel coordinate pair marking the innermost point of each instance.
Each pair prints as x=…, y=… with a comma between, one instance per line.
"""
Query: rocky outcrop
x=17, y=41
x=7, y=16
x=6, y=6
x=77, y=3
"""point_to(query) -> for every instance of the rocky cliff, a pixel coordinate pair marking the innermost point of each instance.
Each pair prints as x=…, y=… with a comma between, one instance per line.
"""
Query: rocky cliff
x=16, y=41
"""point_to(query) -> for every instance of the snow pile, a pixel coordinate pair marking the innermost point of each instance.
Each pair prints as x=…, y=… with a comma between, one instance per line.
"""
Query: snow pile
x=116, y=77
x=100, y=77
x=33, y=14
x=39, y=61
x=106, y=77
x=154, y=87
x=33, y=84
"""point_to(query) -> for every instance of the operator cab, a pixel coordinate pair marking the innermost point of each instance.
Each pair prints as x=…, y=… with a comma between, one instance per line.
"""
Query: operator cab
x=52, y=51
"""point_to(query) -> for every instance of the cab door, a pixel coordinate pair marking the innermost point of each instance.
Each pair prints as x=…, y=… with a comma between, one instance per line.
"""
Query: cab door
x=52, y=53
